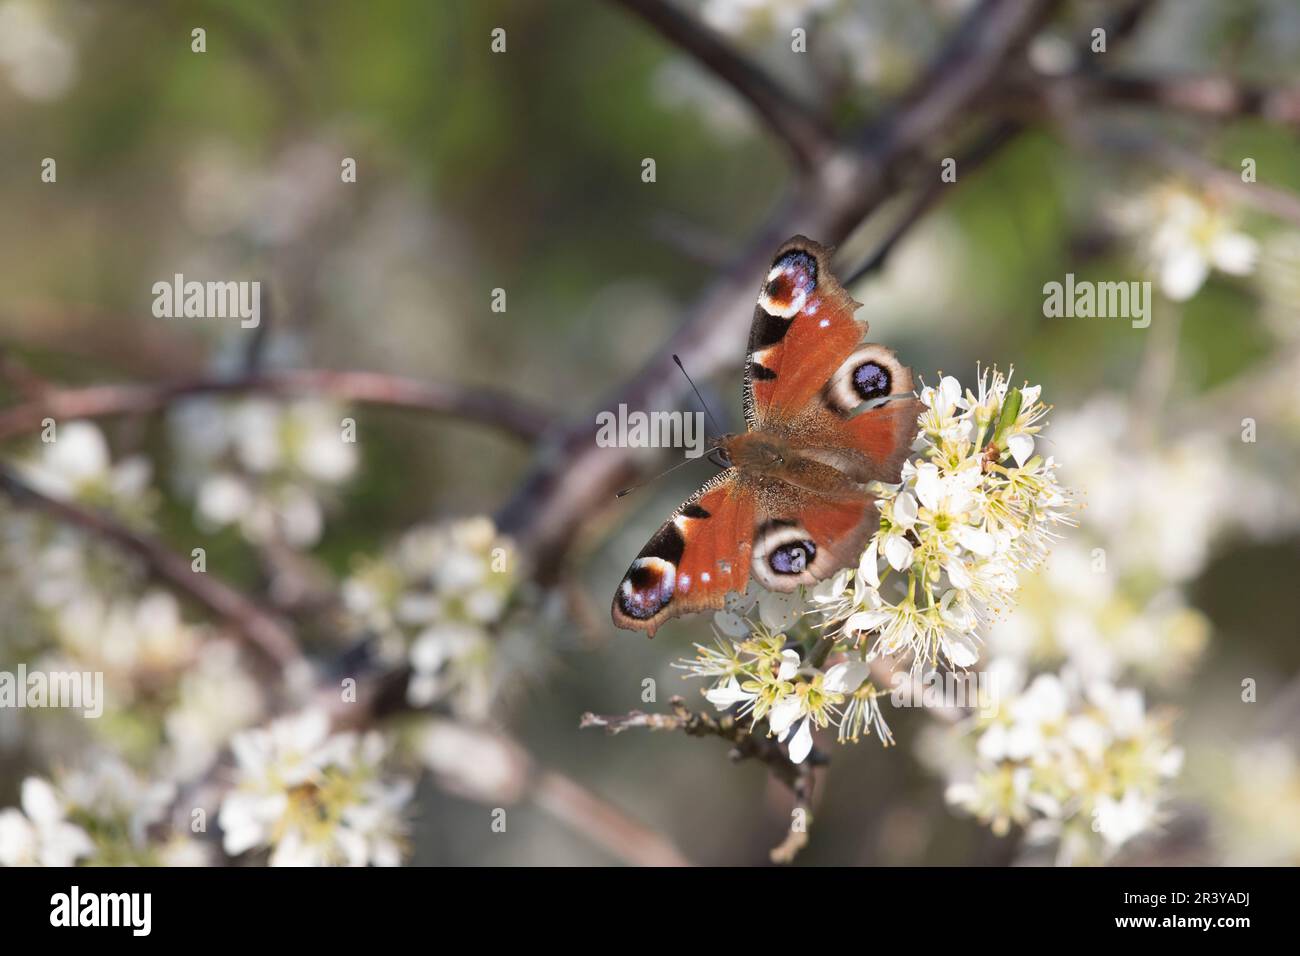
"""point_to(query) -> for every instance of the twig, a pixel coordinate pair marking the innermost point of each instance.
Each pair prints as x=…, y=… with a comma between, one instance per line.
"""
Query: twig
x=799, y=127
x=1215, y=97
x=744, y=746
x=257, y=626
x=511, y=415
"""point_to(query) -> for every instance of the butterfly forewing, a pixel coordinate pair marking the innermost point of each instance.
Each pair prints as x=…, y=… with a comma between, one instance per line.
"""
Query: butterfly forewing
x=803, y=330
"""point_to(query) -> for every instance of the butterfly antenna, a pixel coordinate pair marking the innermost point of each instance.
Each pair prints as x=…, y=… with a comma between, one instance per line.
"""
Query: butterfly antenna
x=713, y=421
x=628, y=491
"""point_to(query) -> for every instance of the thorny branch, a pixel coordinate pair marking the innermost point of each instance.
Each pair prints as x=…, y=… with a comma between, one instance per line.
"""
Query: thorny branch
x=744, y=746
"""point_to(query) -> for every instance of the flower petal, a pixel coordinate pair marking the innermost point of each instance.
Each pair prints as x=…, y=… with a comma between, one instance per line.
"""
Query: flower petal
x=801, y=744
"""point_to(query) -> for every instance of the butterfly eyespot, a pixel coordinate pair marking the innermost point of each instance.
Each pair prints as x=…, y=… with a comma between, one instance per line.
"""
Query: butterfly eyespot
x=790, y=281
x=792, y=558
x=871, y=380
x=648, y=588
x=780, y=288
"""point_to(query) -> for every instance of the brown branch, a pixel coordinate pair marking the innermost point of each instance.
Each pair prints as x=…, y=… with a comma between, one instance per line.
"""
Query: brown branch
x=986, y=145
x=1272, y=200
x=1214, y=97
x=800, y=128
x=744, y=746
x=510, y=415
x=254, y=624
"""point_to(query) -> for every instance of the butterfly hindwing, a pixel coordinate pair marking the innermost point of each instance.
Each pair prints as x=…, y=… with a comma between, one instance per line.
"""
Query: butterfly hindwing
x=868, y=406
x=810, y=538
x=693, y=561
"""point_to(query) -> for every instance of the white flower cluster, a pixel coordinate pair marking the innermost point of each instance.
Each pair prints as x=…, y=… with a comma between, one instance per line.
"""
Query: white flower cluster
x=1081, y=767
x=313, y=797
x=107, y=815
x=52, y=564
x=447, y=598
x=775, y=677
x=263, y=466
x=73, y=462
x=976, y=507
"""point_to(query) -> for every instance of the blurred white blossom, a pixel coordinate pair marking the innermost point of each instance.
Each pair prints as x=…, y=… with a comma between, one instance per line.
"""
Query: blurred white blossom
x=127, y=636
x=314, y=798
x=41, y=62
x=77, y=465
x=215, y=697
x=266, y=467
x=105, y=814
x=39, y=834
x=1082, y=768
x=1183, y=235
x=452, y=600
x=1255, y=789
x=1154, y=508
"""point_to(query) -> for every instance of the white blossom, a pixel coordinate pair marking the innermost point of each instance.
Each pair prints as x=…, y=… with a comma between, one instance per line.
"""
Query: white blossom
x=312, y=797
x=39, y=833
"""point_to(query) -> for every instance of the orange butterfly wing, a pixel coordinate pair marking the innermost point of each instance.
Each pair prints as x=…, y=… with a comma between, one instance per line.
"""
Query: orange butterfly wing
x=693, y=561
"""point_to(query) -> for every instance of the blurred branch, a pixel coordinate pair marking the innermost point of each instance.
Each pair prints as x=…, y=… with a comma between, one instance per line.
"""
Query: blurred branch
x=254, y=624
x=603, y=823
x=988, y=144
x=513, y=416
x=744, y=746
x=802, y=129
x=1066, y=104
x=24, y=381
x=1273, y=200
x=1215, y=97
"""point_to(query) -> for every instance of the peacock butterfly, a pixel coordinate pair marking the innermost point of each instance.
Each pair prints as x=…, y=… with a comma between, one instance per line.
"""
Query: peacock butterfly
x=791, y=506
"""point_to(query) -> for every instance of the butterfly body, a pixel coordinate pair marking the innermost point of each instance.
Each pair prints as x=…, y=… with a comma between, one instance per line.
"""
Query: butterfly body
x=827, y=415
